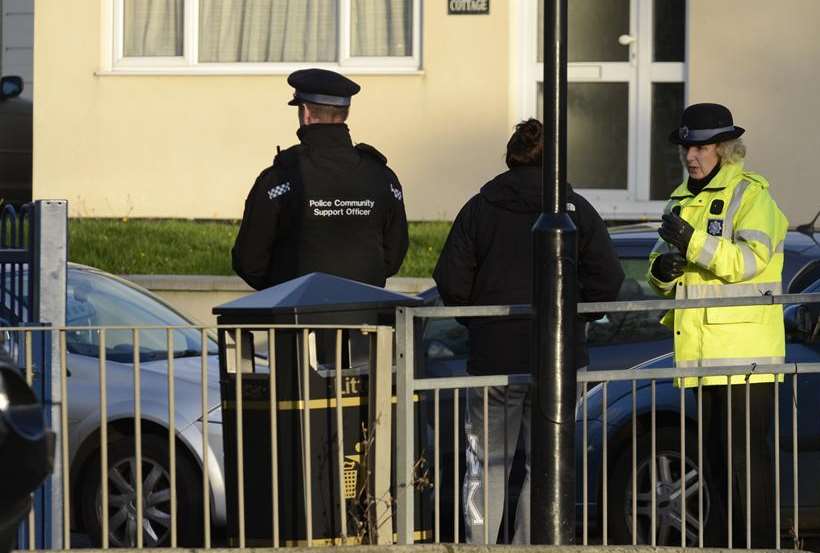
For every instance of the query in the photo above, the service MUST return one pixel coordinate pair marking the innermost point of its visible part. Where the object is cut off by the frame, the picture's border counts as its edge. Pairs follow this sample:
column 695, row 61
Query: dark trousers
column 760, row 458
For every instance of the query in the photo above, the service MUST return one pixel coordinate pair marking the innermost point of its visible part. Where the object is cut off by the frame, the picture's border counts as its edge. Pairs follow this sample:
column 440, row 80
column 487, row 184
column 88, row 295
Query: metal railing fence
column 151, row 416
column 632, row 383
column 142, row 434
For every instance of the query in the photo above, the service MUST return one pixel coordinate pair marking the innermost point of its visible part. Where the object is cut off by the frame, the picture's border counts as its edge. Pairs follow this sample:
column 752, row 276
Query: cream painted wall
column 191, row 146
column 760, row 58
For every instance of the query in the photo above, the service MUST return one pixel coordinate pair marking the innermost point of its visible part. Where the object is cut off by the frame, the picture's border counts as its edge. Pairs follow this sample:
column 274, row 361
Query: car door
column 802, row 346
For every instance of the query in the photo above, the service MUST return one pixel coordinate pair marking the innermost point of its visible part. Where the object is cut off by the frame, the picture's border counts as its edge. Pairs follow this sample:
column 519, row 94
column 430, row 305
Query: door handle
column 626, row 40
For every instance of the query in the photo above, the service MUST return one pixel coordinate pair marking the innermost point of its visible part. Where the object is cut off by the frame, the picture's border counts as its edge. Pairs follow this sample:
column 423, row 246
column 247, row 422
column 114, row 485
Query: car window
column 625, row 328
column 446, row 333
column 804, row 277
column 96, row 300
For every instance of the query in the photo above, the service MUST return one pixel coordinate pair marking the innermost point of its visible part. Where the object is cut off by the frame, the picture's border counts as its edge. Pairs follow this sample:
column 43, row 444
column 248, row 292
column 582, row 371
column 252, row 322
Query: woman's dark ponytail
column 526, row 145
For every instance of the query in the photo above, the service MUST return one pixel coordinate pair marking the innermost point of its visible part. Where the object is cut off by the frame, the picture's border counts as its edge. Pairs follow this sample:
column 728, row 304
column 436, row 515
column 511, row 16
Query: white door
column 625, row 92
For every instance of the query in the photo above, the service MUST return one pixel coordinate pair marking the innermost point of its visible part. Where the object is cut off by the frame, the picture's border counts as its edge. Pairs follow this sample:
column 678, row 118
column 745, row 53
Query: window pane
column 593, row 30
column 670, row 29
column 381, row 28
column 597, row 132
column 667, row 172
column 626, row 328
column 267, row 30
column 597, row 135
column 152, row 28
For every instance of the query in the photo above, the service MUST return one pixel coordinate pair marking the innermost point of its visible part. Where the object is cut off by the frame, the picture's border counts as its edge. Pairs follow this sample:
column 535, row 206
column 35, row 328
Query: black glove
column 676, row 231
column 668, row 266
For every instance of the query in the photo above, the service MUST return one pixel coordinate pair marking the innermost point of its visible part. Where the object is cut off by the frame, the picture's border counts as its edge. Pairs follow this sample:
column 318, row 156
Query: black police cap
column 705, row 124
column 320, row 86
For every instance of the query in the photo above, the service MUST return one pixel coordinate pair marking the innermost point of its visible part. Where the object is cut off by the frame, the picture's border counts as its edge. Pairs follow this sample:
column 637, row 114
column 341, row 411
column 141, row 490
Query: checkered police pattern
column 279, row 190
column 396, row 191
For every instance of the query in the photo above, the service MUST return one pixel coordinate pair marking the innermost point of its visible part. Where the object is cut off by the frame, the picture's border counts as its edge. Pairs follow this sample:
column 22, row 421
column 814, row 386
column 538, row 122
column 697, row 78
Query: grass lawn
column 168, row 246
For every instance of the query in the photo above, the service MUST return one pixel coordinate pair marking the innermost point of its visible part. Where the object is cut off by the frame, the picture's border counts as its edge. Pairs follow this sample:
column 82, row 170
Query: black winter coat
column 487, row 260
column 324, row 206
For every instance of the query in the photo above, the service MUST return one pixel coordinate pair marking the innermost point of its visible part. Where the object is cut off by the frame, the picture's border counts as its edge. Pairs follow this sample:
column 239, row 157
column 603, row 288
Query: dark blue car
column 628, row 340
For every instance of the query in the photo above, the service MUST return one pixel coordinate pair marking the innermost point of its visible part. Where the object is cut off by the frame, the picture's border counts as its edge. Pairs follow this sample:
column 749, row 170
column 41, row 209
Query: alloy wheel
column 122, row 503
column 669, row 523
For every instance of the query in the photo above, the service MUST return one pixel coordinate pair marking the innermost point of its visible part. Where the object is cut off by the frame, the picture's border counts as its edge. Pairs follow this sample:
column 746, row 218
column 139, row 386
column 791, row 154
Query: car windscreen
column 95, row 300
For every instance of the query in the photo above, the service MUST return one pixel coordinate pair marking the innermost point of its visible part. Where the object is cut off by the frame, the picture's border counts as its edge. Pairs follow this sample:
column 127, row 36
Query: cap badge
column 683, row 132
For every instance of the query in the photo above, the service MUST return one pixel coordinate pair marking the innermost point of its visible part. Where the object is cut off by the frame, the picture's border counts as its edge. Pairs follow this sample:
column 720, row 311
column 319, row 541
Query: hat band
column 697, row 135
column 340, row 101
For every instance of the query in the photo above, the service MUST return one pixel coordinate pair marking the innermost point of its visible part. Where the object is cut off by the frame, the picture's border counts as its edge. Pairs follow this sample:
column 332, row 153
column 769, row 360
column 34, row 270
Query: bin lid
column 316, row 293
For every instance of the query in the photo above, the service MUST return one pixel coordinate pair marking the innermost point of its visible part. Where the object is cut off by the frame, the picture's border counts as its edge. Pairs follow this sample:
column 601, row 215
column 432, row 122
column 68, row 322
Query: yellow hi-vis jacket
column 736, row 250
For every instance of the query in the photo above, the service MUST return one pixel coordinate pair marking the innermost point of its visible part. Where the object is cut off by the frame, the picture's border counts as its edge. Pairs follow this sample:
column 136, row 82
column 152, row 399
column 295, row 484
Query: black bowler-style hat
column 320, row 86
column 705, row 124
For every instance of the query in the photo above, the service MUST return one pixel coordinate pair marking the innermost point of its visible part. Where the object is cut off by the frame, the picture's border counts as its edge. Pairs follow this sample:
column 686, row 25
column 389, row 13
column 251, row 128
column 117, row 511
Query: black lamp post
column 554, row 302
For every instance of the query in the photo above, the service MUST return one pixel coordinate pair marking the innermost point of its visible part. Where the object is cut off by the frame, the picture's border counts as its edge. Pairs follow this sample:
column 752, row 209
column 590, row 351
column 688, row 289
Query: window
column 94, row 300
column 625, row 92
column 630, row 326
column 265, row 36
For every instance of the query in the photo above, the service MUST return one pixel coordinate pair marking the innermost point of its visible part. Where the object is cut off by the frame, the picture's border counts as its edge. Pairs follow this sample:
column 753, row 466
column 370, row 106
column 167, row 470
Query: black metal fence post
column 554, row 301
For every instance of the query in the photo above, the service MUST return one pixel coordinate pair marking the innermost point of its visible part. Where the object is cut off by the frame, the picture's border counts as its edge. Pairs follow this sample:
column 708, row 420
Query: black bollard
column 554, row 303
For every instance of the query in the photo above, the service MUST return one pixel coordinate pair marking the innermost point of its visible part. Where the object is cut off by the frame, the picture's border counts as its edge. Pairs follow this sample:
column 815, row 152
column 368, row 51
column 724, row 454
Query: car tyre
column 156, row 496
column 668, row 480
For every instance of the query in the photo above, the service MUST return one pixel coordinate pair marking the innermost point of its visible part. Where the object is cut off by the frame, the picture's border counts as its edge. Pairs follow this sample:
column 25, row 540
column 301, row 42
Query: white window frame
column 640, row 73
column 113, row 60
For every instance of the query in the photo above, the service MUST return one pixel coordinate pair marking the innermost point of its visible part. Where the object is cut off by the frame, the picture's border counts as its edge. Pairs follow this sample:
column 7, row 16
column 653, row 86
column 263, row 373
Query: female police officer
column 722, row 237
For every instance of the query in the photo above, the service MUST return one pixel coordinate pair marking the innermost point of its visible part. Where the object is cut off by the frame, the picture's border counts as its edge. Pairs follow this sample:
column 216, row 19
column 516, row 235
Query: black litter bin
column 26, row 450
column 314, row 299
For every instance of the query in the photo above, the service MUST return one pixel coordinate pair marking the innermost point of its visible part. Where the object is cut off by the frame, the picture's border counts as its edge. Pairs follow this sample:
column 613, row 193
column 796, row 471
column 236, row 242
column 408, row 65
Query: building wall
column 760, row 58
column 191, row 146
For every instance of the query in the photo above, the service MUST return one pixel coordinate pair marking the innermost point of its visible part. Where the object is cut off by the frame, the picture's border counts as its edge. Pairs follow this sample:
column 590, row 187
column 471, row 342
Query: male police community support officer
column 722, row 237
column 324, row 205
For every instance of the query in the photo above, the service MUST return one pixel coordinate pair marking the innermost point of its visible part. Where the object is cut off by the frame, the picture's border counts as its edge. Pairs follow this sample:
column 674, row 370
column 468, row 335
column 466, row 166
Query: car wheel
column 668, row 519
column 156, row 490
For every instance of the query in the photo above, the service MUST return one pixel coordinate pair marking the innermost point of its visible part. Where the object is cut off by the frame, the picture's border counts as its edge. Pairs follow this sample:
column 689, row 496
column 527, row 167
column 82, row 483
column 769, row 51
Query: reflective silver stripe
column 669, row 205
column 707, row 252
column 688, row 134
column 748, row 235
column 734, row 205
column 749, row 261
column 707, row 291
column 730, row 362
column 779, row 248
column 661, row 246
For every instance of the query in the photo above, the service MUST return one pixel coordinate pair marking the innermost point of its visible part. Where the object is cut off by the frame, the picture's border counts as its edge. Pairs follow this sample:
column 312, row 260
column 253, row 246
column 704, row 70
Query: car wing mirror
column 10, row 87
column 800, row 323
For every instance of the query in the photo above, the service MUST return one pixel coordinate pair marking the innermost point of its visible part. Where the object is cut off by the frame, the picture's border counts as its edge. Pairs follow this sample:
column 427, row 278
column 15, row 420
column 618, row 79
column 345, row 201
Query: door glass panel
column 670, row 29
column 597, row 132
column 597, row 135
column 593, row 28
column 667, row 172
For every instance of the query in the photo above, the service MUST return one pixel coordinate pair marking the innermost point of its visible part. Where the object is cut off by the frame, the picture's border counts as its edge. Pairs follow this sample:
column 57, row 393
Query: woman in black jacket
column 487, row 260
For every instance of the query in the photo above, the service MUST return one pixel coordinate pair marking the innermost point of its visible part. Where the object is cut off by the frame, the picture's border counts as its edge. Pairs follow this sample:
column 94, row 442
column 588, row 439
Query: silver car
column 96, row 298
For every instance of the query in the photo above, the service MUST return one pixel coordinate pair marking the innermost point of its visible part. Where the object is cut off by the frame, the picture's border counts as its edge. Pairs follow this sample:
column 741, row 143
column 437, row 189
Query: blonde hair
column 731, row 151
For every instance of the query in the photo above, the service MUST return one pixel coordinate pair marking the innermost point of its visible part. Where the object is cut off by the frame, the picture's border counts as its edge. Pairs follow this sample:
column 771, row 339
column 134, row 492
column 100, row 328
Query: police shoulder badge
column 279, row 190
column 715, row 227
